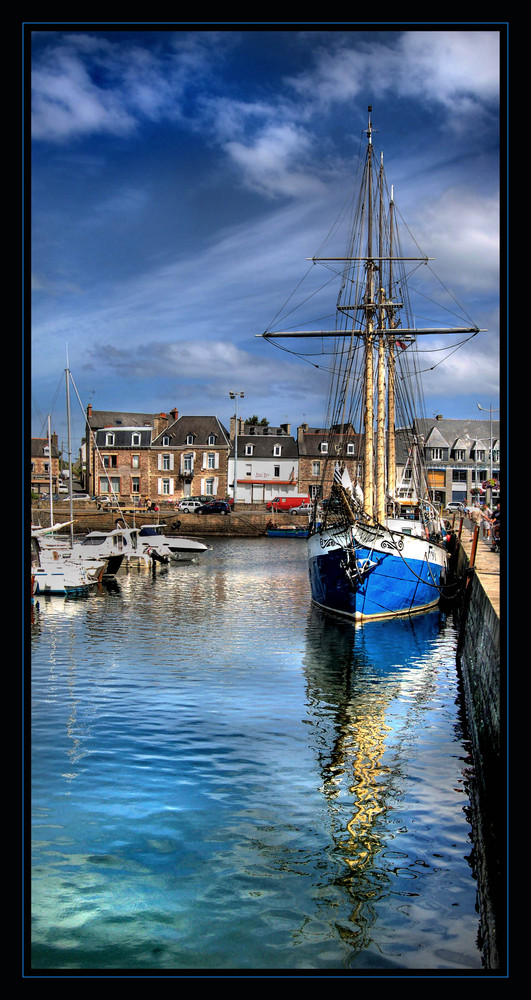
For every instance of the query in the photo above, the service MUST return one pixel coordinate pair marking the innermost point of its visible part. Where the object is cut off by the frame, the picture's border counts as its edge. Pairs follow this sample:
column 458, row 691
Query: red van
column 287, row 503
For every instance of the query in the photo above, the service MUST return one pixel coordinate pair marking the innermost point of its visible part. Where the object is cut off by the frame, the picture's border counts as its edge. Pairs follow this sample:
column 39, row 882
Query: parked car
column 305, row 508
column 455, row 505
column 214, row 507
column 188, row 505
column 78, row 496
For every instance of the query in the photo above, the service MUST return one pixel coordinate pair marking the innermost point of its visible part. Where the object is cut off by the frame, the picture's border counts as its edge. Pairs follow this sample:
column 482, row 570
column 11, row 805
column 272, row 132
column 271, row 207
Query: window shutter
column 202, row 487
column 171, row 463
column 216, row 462
column 205, row 459
column 159, row 486
column 216, row 484
column 159, row 462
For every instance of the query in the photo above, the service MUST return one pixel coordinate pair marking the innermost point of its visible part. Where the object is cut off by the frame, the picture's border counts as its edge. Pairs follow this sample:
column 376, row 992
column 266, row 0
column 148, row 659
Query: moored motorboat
column 153, row 543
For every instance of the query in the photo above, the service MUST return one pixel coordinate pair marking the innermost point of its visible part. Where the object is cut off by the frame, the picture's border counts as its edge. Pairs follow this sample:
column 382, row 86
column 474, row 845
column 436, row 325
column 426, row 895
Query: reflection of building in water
column 352, row 676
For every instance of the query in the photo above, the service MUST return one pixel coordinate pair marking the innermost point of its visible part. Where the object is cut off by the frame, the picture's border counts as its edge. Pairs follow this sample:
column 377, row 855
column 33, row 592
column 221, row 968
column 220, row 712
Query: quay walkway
column 487, row 563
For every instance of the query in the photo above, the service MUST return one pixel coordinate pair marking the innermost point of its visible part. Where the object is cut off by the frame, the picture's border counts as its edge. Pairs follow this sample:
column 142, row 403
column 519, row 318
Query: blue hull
column 392, row 586
column 287, row 533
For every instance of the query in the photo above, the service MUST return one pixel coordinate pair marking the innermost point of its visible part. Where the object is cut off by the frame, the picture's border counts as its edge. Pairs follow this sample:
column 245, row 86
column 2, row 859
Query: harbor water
column 225, row 778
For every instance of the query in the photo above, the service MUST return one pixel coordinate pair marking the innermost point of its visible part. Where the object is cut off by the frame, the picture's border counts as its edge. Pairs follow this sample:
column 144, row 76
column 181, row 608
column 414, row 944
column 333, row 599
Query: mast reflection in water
column 225, row 777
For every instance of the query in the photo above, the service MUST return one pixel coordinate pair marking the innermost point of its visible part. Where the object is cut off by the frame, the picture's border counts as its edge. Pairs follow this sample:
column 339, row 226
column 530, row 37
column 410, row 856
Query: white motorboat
column 54, row 575
column 156, row 545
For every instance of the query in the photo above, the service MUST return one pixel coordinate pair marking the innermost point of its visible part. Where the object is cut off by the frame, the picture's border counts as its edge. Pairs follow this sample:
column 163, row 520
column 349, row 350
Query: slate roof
column 311, row 438
column 117, row 418
column 37, row 448
column 201, row 427
column 263, row 445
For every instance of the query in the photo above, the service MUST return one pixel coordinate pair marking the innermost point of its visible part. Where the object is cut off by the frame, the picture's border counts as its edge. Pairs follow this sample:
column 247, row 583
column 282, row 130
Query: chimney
column 89, row 411
column 174, row 413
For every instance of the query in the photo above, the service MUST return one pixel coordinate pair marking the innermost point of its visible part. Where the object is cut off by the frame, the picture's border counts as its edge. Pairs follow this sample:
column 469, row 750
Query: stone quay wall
column 483, row 678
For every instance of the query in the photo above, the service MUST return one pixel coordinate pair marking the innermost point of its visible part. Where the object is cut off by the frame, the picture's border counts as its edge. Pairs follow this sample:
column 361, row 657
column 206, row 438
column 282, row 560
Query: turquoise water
column 224, row 778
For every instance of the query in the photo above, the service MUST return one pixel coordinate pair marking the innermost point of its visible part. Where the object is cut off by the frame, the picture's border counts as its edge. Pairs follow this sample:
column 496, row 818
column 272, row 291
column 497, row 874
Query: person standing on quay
column 485, row 524
column 476, row 515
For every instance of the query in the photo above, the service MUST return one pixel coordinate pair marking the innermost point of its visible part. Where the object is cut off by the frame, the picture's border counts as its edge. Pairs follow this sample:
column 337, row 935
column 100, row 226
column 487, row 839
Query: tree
column 254, row 420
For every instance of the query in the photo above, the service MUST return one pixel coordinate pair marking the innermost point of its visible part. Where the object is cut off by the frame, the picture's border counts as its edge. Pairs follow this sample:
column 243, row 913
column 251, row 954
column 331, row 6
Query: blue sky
column 181, row 179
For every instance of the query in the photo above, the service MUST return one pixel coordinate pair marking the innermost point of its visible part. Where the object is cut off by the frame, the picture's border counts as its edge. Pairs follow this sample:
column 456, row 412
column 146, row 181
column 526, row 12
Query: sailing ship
column 376, row 548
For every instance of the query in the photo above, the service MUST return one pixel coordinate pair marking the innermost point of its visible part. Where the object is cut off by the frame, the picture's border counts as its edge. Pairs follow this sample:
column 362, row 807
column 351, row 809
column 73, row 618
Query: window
column 459, row 455
column 437, row 454
column 209, row 487
column 324, row 447
column 109, row 440
column 188, row 463
column 211, row 439
column 46, row 466
column 109, row 485
column 110, row 461
column 211, row 461
column 249, row 449
column 135, row 439
column 165, row 483
column 277, row 451
column 248, row 470
column 135, row 485
column 350, row 449
column 459, row 475
column 276, row 471
column 165, row 441
column 135, row 461
column 189, row 439
column 316, row 468
column 166, row 465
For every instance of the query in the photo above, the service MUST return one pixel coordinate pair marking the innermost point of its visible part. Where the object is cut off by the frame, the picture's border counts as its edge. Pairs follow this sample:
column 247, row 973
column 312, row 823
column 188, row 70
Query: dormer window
column 277, row 450
column 165, row 441
column 211, row 440
column 135, row 439
column 350, row 449
column 249, row 449
column 324, row 447
column 109, row 439
column 189, row 439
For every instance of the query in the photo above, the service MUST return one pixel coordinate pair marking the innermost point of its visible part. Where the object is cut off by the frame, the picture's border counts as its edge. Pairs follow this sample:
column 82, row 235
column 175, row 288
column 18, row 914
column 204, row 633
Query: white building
column 267, row 462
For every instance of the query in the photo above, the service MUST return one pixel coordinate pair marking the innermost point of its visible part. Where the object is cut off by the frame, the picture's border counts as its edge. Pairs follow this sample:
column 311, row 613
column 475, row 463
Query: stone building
column 44, row 461
column 190, row 458
column 118, row 448
column 461, row 458
column 156, row 456
column 315, row 447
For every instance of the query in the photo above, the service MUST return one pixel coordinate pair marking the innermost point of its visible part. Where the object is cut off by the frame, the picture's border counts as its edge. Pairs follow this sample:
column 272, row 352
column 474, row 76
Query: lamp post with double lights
column 236, row 396
column 490, row 411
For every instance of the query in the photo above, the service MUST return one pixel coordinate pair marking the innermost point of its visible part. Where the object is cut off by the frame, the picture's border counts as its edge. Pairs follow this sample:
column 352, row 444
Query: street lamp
column 489, row 410
column 236, row 396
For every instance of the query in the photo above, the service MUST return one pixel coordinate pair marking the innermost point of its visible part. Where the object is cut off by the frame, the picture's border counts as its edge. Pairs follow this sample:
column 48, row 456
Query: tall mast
column 50, row 468
column 368, row 456
column 70, row 481
column 380, row 425
column 391, row 444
